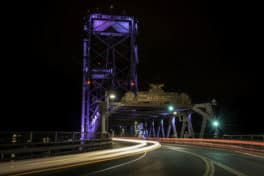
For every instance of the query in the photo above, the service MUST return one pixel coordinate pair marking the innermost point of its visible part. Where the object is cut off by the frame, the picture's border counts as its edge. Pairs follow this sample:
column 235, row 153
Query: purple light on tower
column 102, row 25
column 111, row 41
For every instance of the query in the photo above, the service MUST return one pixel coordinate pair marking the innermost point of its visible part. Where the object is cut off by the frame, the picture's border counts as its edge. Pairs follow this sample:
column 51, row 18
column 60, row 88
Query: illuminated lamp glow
column 215, row 123
column 112, row 96
column 170, row 108
column 89, row 82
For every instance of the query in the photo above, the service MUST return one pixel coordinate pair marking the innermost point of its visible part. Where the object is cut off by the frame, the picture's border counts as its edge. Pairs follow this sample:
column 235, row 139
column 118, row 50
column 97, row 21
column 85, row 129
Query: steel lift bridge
column 110, row 56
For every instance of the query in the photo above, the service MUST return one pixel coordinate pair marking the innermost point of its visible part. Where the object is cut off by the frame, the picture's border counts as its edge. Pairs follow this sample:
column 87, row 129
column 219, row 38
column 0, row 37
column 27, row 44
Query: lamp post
column 108, row 96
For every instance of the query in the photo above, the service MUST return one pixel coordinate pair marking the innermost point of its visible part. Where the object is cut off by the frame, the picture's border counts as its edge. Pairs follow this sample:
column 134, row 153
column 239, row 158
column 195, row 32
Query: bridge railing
column 237, row 145
column 43, row 137
column 22, row 145
column 249, row 137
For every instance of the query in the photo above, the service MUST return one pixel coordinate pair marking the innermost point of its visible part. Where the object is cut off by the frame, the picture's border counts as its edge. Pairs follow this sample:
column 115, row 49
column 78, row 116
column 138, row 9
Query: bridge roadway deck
column 174, row 159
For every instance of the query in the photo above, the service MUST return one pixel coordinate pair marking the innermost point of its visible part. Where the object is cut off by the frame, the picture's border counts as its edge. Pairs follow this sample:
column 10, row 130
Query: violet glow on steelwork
column 109, row 17
column 136, row 53
column 93, row 126
column 110, row 41
column 102, row 70
column 101, row 73
column 99, row 76
column 103, row 25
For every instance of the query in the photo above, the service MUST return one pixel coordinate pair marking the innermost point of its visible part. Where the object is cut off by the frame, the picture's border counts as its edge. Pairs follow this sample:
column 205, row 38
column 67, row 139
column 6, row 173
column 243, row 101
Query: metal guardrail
column 238, row 145
column 42, row 137
column 248, row 137
column 24, row 145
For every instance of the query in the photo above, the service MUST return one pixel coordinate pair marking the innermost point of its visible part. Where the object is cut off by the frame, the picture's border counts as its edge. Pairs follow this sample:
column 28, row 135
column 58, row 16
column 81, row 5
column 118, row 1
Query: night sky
column 202, row 48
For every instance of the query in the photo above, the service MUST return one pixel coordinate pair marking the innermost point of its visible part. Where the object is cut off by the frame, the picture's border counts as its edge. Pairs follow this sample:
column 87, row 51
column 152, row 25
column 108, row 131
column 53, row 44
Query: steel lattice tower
column 110, row 57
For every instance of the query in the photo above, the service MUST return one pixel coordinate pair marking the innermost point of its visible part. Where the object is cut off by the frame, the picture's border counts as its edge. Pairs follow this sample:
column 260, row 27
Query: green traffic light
column 170, row 108
column 215, row 123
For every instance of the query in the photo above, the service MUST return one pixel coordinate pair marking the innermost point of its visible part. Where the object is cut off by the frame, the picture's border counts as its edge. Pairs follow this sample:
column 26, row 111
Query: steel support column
column 146, row 128
column 173, row 122
column 203, row 127
column 169, row 127
column 135, row 128
column 190, row 128
column 162, row 127
column 153, row 128
column 183, row 126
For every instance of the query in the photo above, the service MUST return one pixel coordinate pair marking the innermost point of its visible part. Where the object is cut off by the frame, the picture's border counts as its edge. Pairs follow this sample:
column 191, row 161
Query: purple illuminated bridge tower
column 110, row 56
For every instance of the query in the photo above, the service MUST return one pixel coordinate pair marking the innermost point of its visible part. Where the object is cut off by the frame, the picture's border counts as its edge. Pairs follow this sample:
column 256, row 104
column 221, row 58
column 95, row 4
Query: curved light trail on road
column 60, row 162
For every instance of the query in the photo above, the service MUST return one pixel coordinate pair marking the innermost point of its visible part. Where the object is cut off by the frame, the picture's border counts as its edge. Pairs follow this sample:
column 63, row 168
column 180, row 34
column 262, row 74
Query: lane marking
column 252, row 155
column 212, row 168
column 119, row 165
column 225, row 167
column 220, row 149
column 229, row 169
column 209, row 166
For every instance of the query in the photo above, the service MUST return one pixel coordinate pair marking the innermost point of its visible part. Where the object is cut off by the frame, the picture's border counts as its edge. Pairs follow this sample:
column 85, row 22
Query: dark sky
column 204, row 48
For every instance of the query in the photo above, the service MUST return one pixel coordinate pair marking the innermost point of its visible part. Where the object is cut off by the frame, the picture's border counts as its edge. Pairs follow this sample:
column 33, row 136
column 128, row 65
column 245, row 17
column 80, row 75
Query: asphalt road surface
column 174, row 160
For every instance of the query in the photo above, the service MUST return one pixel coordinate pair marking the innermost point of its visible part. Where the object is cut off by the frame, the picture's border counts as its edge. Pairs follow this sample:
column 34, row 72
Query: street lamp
column 112, row 96
column 108, row 96
column 175, row 113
